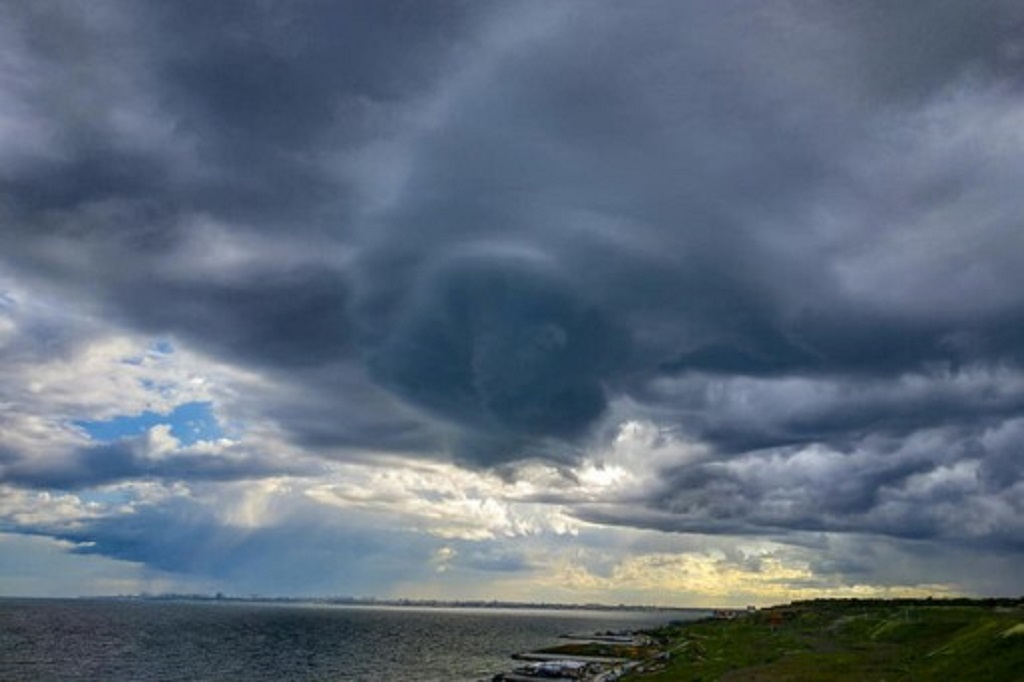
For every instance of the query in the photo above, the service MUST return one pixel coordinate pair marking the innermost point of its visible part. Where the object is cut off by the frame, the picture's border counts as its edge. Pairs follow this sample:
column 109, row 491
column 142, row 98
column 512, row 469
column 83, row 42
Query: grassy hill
column 855, row 640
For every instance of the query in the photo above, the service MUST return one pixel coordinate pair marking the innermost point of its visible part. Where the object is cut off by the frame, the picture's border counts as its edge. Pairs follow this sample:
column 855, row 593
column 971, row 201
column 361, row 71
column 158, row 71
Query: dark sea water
column 85, row 639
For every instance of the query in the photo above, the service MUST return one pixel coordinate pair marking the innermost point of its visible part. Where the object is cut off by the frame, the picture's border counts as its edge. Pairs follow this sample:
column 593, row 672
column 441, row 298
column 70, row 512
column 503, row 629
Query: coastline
column 843, row 640
column 604, row 656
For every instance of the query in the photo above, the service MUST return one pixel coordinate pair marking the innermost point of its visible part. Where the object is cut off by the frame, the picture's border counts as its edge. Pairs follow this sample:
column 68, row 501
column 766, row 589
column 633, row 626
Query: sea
column 107, row 639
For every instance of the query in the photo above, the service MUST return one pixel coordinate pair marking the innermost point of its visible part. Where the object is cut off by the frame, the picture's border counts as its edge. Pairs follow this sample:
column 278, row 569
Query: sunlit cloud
column 655, row 303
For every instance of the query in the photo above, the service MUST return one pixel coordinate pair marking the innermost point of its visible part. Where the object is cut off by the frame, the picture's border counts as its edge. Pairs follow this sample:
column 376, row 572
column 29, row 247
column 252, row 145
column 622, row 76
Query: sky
column 676, row 303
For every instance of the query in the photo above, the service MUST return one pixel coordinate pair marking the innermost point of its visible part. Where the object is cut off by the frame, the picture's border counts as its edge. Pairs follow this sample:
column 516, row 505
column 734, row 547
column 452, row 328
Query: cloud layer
column 756, row 270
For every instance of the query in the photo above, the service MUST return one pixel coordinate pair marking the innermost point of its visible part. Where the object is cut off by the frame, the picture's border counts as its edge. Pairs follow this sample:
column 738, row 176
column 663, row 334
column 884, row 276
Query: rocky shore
column 600, row 657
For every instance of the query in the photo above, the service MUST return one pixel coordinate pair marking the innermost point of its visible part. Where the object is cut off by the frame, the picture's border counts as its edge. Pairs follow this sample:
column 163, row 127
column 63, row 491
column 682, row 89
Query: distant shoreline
column 374, row 601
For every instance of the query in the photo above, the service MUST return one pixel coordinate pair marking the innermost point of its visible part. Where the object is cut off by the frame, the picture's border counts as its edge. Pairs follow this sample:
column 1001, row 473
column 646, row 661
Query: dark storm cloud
column 282, row 319
column 148, row 116
column 934, row 485
column 469, row 230
column 910, row 50
column 255, row 94
column 130, row 459
column 502, row 345
column 739, row 414
column 152, row 123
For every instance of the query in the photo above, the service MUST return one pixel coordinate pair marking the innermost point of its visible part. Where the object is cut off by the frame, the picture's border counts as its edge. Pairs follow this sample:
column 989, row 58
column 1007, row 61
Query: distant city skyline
column 697, row 304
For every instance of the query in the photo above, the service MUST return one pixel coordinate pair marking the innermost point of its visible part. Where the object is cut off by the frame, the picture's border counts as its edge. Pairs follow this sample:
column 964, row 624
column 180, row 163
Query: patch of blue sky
column 189, row 422
column 192, row 422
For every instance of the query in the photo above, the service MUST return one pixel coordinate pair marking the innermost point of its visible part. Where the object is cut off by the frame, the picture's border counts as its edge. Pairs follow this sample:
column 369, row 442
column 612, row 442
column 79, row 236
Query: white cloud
column 46, row 510
column 441, row 500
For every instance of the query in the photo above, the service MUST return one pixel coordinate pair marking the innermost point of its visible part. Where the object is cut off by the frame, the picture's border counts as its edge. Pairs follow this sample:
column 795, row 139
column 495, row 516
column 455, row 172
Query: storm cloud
column 786, row 235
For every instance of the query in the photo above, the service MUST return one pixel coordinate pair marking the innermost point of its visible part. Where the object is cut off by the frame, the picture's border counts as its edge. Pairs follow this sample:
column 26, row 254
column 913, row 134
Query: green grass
column 851, row 641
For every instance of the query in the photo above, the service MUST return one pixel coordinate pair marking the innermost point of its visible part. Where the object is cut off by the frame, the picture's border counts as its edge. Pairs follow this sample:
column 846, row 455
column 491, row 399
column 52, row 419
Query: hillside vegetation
column 855, row 640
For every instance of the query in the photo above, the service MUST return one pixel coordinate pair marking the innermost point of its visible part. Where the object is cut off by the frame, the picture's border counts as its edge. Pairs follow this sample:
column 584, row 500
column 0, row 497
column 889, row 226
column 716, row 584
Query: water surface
column 86, row 639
